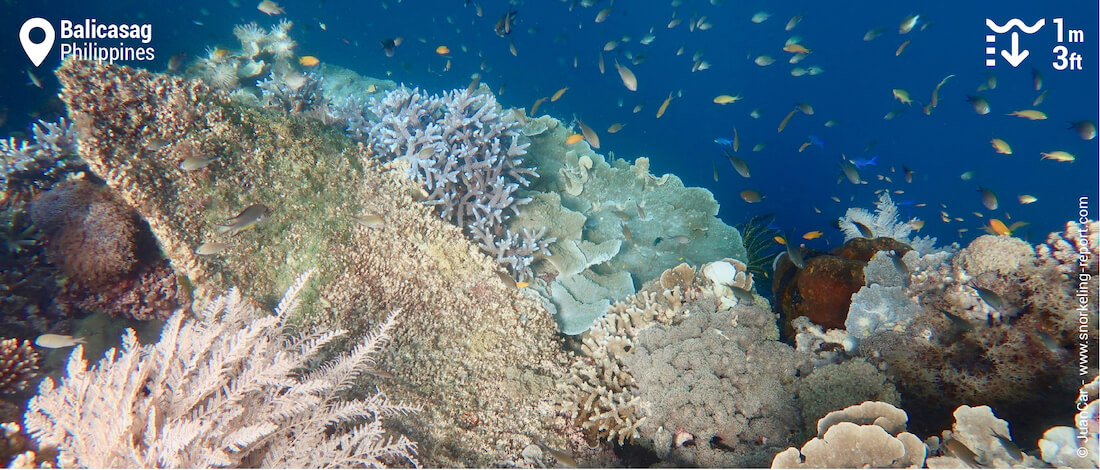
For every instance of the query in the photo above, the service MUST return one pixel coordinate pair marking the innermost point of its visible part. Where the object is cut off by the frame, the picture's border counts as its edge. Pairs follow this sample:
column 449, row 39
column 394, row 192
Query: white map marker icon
column 37, row 52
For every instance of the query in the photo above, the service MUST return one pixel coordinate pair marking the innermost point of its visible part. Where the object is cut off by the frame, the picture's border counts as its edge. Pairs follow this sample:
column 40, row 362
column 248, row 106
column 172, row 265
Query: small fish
column 751, row 196
column 1050, row 343
column 1001, row 147
column 935, row 101
column 664, row 106
column 538, row 102
column 589, row 134
column 616, row 127
column 783, row 123
column 1026, row 199
column 1009, row 446
column 442, row 50
column 989, row 199
column 957, row 322
column 916, row 224
column 638, row 107
column 792, row 22
column 1036, row 78
column 674, row 22
column 806, row 108
column 981, row 106
column 603, row 14
column 1085, row 129
column 1058, row 156
column 760, row 17
column 739, row 165
column 899, row 265
column 369, row 220
column 557, row 94
column 908, row 174
column 53, row 341
column 270, row 8
column 901, row 48
column 195, row 163
column 248, row 218
column 736, row 140
column 873, row 33
column 902, row 96
column 796, row 48
column 764, row 60
column 504, row 24
column 794, row 253
column 628, row 78
column 812, row 235
column 308, row 61
column 755, row 113
column 742, row 295
column 862, row 162
column 1040, row 98
column 1029, row 114
column 991, row 298
column 967, row 176
column 34, row 79
column 908, row 23
column 780, row 240
column 962, row 452
column 850, row 172
column 573, row 139
column 864, row 230
column 210, row 248
column 610, row 46
column 726, row 99
column 507, row 280
column 601, row 64
column 715, row 165
column 522, row 284
column 175, row 62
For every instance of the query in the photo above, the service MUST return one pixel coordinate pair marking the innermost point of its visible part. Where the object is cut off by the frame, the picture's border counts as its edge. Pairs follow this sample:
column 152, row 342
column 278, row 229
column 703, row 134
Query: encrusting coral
column 477, row 354
column 228, row 389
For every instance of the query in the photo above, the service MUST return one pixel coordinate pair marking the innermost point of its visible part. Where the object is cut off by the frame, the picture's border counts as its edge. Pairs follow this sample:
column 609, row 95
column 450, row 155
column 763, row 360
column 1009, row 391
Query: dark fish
column 246, row 219
column 957, row 322
column 850, row 172
column 991, row 298
column 1085, row 129
column 794, row 253
column 899, row 265
column 963, row 453
column 989, row 199
column 504, row 24
column 908, row 174
column 742, row 295
column 390, row 46
column 739, row 165
column 864, row 230
column 1010, row 447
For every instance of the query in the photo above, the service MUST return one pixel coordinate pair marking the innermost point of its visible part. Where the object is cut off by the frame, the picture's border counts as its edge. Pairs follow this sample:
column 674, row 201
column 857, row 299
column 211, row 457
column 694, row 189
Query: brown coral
column 18, row 365
column 90, row 234
column 844, row 441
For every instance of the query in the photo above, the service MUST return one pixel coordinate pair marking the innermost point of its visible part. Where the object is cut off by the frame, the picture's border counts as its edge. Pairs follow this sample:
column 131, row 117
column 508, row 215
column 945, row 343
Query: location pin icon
column 37, row 52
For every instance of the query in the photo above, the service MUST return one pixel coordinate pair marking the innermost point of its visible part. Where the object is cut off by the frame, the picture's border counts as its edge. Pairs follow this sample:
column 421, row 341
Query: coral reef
column 876, row 308
column 479, row 356
column 178, row 402
column 18, row 365
column 469, row 158
column 41, row 163
column 699, row 379
column 837, row 386
column 985, row 436
column 868, row 435
column 1061, row 446
column 883, row 223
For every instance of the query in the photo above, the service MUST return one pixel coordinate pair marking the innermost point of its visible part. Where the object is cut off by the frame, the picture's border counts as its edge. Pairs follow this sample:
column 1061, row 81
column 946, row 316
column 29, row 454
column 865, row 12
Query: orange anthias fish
column 308, row 61
column 812, row 235
column 573, row 139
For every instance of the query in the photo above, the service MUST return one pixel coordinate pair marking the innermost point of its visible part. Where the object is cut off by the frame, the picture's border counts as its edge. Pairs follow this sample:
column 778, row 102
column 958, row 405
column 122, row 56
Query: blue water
column 855, row 89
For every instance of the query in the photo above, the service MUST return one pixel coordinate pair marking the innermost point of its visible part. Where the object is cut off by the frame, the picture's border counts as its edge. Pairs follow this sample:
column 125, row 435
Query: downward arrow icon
column 1017, row 55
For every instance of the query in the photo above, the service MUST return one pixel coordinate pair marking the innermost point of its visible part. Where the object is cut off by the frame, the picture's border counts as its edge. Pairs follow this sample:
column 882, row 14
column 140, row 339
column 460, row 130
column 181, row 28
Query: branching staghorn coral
column 469, row 159
column 42, row 162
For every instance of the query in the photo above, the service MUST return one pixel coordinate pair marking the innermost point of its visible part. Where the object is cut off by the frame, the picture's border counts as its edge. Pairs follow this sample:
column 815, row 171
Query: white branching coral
column 884, row 223
column 231, row 389
column 469, row 159
column 42, row 162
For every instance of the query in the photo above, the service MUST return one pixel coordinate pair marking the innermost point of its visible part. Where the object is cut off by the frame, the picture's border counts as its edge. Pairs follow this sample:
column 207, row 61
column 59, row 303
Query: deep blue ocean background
column 855, row 90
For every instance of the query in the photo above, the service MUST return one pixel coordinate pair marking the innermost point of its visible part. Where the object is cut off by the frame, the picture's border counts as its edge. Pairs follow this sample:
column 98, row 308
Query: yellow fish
column 902, row 96
column 442, row 50
column 1001, row 146
column 812, row 235
column 522, row 284
column 573, row 139
column 999, row 227
column 1027, row 199
column 796, row 48
column 308, row 61
column 535, row 107
column 1029, row 114
column 780, row 240
column 664, row 106
column 557, row 94
column 1058, row 156
column 726, row 99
